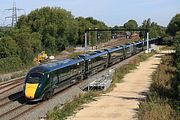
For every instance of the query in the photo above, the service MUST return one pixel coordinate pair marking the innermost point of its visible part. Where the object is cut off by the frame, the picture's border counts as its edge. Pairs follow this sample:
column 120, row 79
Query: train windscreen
column 34, row 78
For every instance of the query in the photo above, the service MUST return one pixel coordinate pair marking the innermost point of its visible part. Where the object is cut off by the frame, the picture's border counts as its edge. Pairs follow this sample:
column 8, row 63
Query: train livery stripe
column 30, row 90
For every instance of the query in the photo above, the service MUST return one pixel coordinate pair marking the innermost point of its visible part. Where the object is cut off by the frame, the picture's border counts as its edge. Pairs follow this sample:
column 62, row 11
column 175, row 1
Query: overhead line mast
column 121, row 29
column 14, row 16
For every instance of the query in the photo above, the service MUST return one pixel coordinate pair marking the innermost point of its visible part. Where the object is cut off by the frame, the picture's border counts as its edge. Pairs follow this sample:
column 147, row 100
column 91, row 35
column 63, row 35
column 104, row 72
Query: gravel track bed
column 9, row 107
column 8, row 84
column 3, row 101
column 10, row 87
column 57, row 100
column 11, row 80
column 16, row 112
column 12, row 91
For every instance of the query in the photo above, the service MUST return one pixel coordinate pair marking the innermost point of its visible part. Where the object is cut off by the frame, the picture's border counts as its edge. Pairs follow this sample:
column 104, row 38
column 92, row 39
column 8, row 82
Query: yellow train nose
column 30, row 90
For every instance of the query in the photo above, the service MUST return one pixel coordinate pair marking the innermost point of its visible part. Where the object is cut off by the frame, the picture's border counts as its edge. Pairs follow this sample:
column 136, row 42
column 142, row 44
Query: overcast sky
column 112, row 12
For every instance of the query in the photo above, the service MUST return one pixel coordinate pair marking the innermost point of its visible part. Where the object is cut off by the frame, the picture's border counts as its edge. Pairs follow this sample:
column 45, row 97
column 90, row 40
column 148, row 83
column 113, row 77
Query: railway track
column 14, row 106
column 17, row 111
column 23, row 107
column 9, row 86
column 10, row 99
column 11, row 81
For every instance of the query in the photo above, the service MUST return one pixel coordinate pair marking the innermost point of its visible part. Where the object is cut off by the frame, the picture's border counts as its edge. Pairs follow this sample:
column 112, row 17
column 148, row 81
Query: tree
column 89, row 23
column 54, row 23
column 155, row 30
column 35, row 40
column 177, row 47
column 26, row 51
column 8, row 47
column 50, row 44
column 131, row 24
column 174, row 25
column 82, row 25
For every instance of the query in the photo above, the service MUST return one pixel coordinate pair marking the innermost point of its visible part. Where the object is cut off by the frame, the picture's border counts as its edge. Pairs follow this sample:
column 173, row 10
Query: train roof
column 93, row 54
column 115, row 48
column 55, row 65
column 128, row 45
column 138, row 42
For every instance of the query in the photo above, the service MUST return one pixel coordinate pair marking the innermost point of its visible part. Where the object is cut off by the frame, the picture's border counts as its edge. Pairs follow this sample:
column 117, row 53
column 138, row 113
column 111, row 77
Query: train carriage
column 95, row 61
column 116, row 54
column 42, row 81
column 138, row 46
column 129, row 50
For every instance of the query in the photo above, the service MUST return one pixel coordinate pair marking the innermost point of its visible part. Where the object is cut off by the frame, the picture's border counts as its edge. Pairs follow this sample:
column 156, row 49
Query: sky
column 111, row 12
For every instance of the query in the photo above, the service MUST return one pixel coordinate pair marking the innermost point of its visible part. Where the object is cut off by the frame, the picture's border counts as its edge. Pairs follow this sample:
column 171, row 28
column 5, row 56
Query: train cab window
column 34, row 77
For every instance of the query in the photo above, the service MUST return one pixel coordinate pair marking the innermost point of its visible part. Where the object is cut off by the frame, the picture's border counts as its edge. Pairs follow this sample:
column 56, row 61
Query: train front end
column 33, row 87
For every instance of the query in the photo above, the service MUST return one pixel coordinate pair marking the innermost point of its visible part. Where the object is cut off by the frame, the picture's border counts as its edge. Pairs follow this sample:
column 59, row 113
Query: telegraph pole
column 14, row 16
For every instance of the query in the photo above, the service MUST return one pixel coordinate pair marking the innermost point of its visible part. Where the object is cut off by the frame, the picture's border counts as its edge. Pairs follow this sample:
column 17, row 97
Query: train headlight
column 39, row 85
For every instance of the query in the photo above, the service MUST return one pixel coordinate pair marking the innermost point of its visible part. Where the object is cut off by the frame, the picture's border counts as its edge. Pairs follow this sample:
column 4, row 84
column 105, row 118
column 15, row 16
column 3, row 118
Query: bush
column 156, row 110
column 10, row 64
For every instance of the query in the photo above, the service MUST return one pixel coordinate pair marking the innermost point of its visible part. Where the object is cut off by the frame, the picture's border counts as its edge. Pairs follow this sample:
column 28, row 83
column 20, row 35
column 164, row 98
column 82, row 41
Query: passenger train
column 43, row 81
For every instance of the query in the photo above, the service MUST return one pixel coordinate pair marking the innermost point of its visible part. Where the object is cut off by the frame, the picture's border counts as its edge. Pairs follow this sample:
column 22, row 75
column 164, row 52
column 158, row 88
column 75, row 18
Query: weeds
column 69, row 108
column 160, row 103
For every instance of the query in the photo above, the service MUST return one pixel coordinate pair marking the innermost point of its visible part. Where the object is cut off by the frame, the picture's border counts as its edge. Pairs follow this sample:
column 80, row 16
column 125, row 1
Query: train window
column 55, row 78
column 128, row 49
column 117, row 54
column 98, row 60
column 34, row 77
column 69, row 71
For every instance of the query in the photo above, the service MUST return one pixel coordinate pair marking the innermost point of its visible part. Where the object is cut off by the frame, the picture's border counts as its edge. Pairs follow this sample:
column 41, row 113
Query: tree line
column 53, row 29
column 173, row 30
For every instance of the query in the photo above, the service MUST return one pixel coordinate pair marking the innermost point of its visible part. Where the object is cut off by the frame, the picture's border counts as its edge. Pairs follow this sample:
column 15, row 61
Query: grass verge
column 69, row 108
column 162, row 101
column 61, row 113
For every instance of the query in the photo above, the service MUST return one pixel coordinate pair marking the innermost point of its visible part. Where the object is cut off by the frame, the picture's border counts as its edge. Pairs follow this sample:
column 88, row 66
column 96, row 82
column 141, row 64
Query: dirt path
column 122, row 102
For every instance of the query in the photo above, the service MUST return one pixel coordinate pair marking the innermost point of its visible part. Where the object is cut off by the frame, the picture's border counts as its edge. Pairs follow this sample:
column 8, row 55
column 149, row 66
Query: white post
column 147, row 42
column 96, row 37
column 85, row 46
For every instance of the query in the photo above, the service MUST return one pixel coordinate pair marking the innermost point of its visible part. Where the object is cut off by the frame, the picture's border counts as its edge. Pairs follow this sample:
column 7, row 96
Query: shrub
column 161, row 102
column 10, row 64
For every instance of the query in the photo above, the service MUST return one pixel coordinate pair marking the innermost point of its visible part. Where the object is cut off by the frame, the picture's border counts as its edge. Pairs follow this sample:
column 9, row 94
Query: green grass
column 69, row 108
column 61, row 113
column 162, row 101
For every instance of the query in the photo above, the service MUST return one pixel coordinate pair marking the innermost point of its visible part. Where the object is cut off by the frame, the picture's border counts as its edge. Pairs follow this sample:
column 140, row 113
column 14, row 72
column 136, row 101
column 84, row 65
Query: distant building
column 128, row 34
column 134, row 35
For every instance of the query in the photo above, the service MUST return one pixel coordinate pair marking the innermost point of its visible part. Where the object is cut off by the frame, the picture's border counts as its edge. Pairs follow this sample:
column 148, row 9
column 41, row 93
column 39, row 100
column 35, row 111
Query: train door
column 54, row 80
